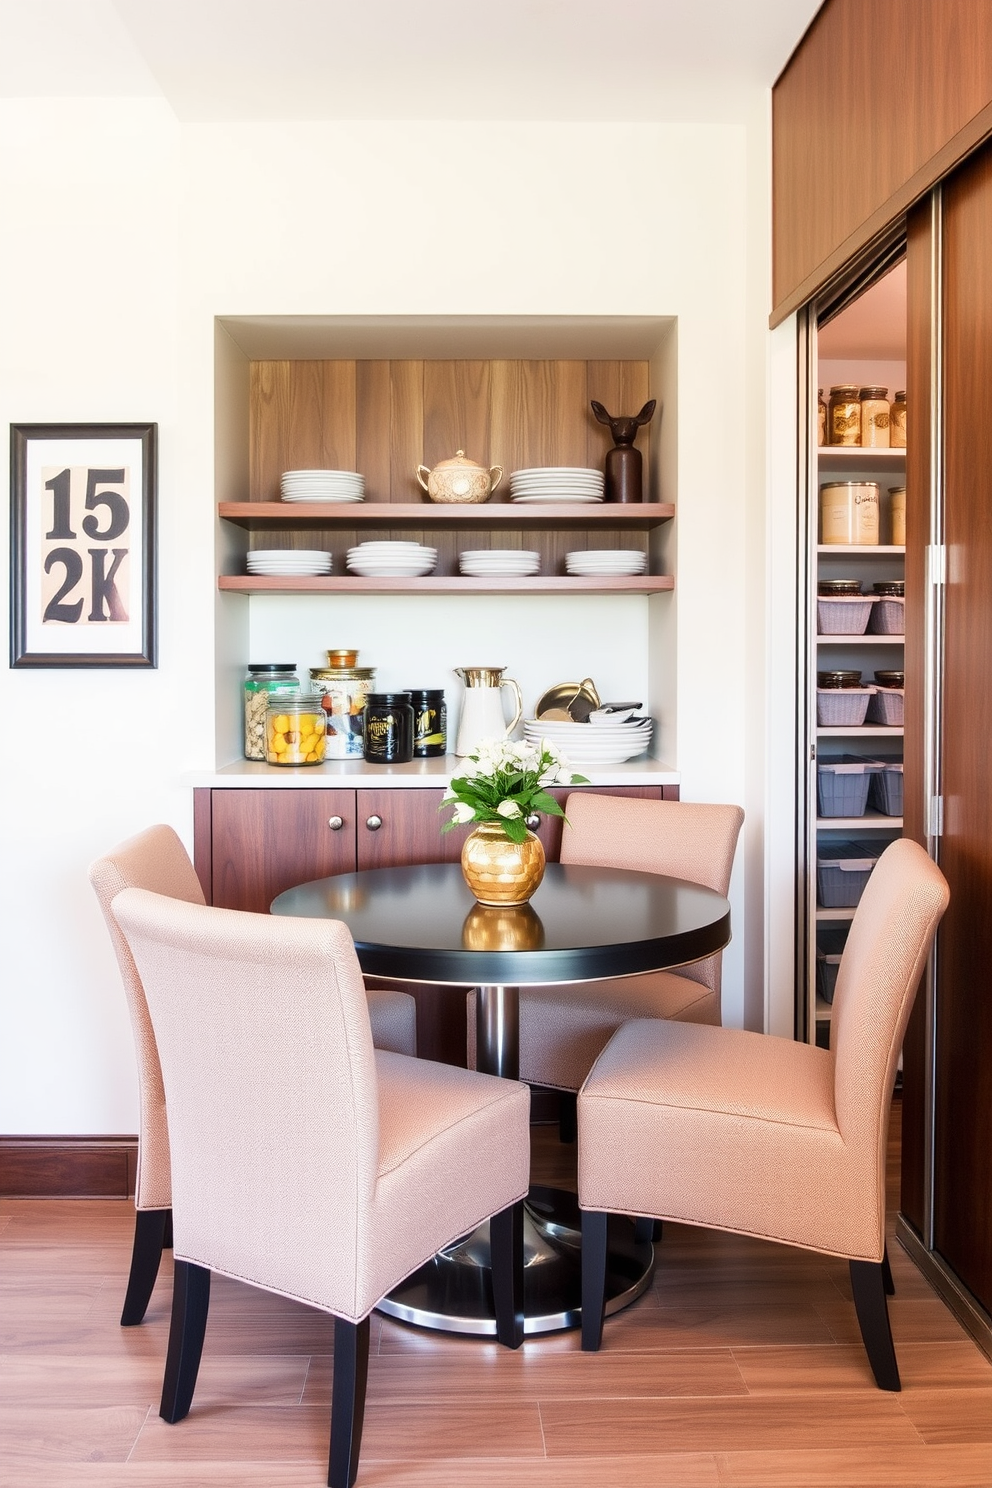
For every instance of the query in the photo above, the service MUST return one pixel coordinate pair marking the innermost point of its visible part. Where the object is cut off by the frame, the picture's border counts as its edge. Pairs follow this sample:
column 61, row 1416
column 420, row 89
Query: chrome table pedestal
column 453, row 1292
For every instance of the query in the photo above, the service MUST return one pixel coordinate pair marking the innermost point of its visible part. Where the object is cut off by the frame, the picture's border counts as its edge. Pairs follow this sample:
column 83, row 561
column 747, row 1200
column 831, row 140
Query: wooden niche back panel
column 384, row 418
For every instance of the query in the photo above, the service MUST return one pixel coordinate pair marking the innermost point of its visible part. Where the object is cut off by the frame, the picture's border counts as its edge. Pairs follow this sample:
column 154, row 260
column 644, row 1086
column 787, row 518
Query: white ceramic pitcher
column 482, row 706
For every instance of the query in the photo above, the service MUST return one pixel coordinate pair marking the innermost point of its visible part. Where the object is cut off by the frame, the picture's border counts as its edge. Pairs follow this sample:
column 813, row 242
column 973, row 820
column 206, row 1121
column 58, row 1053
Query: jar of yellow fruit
column 294, row 729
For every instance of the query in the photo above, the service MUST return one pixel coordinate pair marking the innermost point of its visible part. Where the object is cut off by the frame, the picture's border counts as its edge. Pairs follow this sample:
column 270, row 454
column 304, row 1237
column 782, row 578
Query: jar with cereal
column 294, row 729
column 261, row 680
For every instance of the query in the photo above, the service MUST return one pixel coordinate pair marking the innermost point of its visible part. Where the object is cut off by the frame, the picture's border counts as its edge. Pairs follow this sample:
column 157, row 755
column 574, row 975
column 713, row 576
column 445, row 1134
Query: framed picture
column 82, row 545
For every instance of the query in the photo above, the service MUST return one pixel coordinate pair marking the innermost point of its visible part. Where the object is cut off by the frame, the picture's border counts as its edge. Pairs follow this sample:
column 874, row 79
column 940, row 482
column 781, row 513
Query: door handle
column 373, row 823
column 336, row 823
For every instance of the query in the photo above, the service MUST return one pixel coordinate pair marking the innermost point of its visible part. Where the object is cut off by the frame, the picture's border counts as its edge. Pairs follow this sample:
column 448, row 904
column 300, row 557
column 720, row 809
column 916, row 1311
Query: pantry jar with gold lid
column 844, row 414
column 897, row 421
column 849, row 513
column 344, row 689
column 874, row 417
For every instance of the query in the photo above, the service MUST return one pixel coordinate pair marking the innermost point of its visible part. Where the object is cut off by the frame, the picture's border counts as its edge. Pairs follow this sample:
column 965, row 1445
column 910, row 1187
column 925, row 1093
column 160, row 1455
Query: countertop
column 429, row 774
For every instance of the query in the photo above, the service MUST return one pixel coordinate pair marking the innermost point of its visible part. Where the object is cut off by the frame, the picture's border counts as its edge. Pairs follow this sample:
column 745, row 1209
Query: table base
column 453, row 1292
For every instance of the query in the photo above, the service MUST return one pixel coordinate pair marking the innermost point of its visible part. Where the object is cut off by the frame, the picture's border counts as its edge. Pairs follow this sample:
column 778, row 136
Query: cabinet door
column 409, row 829
column 265, row 841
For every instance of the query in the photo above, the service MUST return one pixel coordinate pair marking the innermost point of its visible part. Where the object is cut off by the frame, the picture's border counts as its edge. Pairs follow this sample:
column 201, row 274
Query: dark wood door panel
column 410, row 830
column 963, row 1115
column 265, row 841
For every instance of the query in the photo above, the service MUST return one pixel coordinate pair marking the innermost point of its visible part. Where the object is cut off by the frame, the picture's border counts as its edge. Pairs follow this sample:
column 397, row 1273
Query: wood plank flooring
column 740, row 1368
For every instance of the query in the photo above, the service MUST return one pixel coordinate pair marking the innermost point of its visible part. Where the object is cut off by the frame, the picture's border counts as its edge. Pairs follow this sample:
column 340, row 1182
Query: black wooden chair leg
column 190, row 1303
column 868, row 1285
column 594, row 1226
column 887, row 1282
column 568, row 1118
column 648, row 1229
column 167, row 1237
column 506, row 1242
column 150, row 1227
column 351, row 1372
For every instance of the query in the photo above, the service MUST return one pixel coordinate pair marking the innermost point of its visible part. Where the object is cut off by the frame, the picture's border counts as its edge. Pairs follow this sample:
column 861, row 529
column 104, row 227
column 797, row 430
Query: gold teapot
column 459, row 480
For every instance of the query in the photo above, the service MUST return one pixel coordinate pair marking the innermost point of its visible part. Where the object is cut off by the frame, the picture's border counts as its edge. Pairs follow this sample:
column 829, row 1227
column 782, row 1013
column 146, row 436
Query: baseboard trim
column 966, row 1308
column 68, row 1167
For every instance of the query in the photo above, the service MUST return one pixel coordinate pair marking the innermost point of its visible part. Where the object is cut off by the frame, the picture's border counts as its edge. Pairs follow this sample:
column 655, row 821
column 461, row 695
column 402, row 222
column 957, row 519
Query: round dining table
column 422, row 924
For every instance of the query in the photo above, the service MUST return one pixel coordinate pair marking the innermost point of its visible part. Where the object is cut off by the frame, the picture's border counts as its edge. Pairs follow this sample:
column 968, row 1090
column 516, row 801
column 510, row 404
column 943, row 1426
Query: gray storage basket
column 829, row 950
column 887, row 706
column 843, row 614
column 842, row 786
column 842, row 870
column 888, row 616
column 837, row 706
column 886, row 793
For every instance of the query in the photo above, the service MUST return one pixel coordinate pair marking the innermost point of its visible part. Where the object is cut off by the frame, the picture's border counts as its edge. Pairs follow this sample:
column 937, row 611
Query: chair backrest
column 884, row 959
column 681, row 839
column 155, row 859
column 262, row 1028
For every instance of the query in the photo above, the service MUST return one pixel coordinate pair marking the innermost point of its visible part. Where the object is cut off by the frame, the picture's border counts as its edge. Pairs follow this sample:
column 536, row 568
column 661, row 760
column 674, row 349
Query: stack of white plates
column 391, row 560
column 593, row 744
column 288, row 562
column 556, row 483
column 322, row 485
column 505, row 562
column 598, row 562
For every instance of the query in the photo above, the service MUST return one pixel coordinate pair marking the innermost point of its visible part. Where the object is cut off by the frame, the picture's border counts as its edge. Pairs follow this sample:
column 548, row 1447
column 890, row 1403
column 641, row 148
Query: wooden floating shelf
column 295, row 515
column 561, row 584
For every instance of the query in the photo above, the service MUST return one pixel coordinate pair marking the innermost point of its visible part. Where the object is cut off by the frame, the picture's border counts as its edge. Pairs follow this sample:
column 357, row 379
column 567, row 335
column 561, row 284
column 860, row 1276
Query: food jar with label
column 844, row 414
column 430, row 722
column 261, row 681
column 821, row 418
column 897, row 507
column 389, row 728
column 897, row 421
column 849, row 513
column 344, row 689
column 874, row 417
column 294, row 729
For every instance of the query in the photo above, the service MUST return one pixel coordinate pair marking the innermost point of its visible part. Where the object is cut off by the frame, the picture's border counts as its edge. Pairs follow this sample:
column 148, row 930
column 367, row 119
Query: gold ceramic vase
column 499, row 871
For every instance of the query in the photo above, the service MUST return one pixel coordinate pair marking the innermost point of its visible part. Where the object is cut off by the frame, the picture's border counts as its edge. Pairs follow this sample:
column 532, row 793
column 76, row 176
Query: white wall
column 130, row 235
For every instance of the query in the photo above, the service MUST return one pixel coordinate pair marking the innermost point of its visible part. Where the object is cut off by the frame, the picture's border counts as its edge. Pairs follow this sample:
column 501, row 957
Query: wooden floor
column 741, row 1367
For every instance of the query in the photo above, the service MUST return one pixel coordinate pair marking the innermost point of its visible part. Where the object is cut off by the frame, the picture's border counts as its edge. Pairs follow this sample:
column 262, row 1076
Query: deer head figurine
column 623, row 462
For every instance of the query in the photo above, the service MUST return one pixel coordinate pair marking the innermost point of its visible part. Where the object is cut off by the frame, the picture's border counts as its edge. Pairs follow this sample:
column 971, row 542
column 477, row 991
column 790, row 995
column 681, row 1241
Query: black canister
column 430, row 722
column 388, row 728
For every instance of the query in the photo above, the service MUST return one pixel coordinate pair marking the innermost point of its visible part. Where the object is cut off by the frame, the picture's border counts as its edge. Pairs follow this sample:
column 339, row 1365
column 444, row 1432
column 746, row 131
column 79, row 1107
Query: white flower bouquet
column 505, row 782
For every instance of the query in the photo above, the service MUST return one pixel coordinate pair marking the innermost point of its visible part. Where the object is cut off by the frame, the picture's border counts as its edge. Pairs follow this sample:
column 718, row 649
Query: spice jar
column 897, row 507
column 897, row 422
column 875, row 417
column 849, row 513
column 821, row 418
column 388, row 728
column 294, row 729
column 261, row 680
column 844, row 414
column 430, row 722
column 344, row 689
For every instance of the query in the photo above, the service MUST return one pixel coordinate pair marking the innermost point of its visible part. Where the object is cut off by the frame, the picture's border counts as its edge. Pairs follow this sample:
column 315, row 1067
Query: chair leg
column 167, row 1237
column 648, row 1229
column 887, row 1282
column 190, row 1302
column 594, row 1226
column 868, row 1285
column 351, row 1372
column 150, row 1229
column 568, row 1120
column 506, row 1238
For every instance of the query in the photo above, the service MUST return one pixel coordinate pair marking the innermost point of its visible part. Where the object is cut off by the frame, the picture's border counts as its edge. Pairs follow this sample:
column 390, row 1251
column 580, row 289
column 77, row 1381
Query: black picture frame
column 83, row 545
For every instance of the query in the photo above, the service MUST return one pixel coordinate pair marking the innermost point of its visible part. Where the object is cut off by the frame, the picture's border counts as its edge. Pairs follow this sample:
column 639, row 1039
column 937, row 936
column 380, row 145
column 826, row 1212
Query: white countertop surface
column 421, row 774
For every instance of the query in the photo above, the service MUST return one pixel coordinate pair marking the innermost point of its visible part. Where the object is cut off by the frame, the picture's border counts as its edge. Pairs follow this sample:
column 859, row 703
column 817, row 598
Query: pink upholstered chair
column 156, row 859
column 303, row 1161
column 561, row 1033
column 764, row 1136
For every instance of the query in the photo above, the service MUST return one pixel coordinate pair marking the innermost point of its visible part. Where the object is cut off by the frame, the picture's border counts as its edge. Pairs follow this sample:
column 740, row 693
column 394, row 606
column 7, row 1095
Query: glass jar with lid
column 897, row 421
column 844, row 414
column 821, row 418
column 263, row 679
column 874, row 417
column 294, row 729
column 344, row 689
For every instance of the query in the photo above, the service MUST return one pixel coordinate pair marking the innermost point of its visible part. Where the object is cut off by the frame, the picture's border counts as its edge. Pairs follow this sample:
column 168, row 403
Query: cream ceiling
column 263, row 60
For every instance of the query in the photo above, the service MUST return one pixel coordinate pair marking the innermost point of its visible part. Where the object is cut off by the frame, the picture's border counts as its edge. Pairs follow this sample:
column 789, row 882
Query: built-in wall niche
column 385, row 395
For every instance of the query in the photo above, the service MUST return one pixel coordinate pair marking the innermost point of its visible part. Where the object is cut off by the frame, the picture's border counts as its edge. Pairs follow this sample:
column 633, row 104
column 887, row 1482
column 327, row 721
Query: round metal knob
column 336, row 823
column 373, row 823
column 532, row 822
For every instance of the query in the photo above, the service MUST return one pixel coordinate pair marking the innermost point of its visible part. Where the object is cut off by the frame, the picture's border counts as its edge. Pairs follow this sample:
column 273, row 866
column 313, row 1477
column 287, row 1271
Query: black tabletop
column 422, row 924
